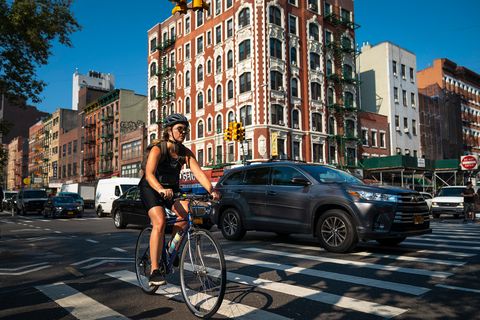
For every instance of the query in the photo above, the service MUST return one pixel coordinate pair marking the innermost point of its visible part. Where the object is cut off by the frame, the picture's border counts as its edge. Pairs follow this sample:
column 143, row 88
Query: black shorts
column 151, row 198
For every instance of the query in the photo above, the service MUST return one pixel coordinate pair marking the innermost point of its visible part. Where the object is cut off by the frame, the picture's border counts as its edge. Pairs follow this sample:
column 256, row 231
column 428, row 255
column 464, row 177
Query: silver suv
column 31, row 200
column 339, row 209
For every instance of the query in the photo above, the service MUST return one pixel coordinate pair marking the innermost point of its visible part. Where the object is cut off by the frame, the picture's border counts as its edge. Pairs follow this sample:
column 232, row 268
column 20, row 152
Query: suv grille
column 409, row 206
column 448, row 204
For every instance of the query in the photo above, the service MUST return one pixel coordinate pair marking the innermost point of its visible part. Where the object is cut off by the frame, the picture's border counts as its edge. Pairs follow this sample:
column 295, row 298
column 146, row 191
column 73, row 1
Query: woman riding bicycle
column 161, row 179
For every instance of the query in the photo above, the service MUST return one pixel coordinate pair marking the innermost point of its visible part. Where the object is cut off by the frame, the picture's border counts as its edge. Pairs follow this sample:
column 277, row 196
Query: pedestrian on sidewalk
column 469, row 203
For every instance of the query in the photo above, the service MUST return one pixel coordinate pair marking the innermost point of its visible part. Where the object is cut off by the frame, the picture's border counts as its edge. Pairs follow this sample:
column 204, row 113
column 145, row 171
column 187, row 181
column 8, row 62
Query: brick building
column 35, row 154
column 17, row 165
column 285, row 69
column 374, row 135
column 70, row 158
column 452, row 80
column 132, row 145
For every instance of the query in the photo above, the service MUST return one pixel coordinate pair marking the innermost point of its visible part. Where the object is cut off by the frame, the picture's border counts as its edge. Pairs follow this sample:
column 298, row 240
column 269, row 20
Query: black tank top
column 168, row 171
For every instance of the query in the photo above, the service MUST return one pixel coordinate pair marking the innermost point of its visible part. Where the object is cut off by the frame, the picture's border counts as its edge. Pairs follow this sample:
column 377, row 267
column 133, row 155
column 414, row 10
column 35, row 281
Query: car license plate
column 70, row 212
column 418, row 219
column 197, row 220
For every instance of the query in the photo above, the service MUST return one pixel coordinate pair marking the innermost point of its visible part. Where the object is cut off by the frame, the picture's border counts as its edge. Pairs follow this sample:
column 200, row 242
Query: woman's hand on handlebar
column 215, row 195
column 166, row 193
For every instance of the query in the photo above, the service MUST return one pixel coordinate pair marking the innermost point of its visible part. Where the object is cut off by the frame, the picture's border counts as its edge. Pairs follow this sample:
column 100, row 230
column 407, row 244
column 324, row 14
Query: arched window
column 330, row 96
column 187, row 79
column 231, row 116
column 200, row 129
column 349, row 128
column 346, row 43
column 277, row 114
column 244, row 18
column 209, row 66
column 187, row 105
column 294, row 87
column 246, row 115
column 244, row 50
column 293, row 55
column 331, row 125
column 209, row 124
column 153, row 69
column 348, row 100
column 275, row 48
column 230, row 90
column 245, row 82
column 317, row 122
column 230, row 59
column 218, row 65
column 347, row 71
column 199, row 101
column 172, row 108
column 200, row 72
column 329, row 67
column 275, row 16
column 296, row 119
column 276, row 80
column 209, row 95
column 218, row 94
column 316, row 89
column 219, row 124
column 313, row 31
column 153, row 116
column 153, row 92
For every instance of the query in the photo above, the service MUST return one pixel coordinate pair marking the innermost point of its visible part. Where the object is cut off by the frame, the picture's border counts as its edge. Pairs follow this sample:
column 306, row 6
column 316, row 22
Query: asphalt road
column 83, row 268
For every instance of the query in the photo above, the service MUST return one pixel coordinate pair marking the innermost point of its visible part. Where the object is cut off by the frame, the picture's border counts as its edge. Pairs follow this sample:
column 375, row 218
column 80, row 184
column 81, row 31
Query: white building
column 388, row 87
column 94, row 79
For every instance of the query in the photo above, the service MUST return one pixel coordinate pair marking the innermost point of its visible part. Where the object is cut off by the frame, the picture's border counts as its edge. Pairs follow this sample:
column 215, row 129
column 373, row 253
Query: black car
column 129, row 209
column 30, row 200
column 8, row 200
column 290, row 197
column 62, row 207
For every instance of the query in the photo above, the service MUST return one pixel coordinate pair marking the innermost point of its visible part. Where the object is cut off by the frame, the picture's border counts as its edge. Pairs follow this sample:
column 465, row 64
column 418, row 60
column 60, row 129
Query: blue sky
column 114, row 38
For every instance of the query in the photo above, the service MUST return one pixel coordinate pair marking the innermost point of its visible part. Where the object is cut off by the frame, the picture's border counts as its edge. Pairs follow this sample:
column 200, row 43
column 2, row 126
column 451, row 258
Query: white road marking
column 24, row 230
column 229, row 309
column 449, row 253
column 119, row 249
column 458, row 288
column 91, row 241
column 78, row 304
column 434, row 245
column 57, row 231
column 394, row 286
column 97, row 258
column 447, row 240
column 47, row 229
column 99, row 263
column 29, row 269
column 436, row 274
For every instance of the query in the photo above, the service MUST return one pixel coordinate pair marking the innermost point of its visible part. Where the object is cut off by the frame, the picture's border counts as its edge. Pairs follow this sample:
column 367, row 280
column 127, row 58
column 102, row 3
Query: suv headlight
column 79, row 208
column 59, row 208
column 373, row 196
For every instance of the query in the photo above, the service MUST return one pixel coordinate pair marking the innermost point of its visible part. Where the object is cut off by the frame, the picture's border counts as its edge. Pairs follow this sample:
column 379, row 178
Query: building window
column 153, row 93
column 364, row 137
column 331, row 125
column 412, row 99
column 231, row 153
column 244, row 18
column 187, row 79
column 131, row 170
column 218, row 94
column 218, row 155
column 230, row 117
column 415, row 153
column 292, row 24
column 230, row 90
column 347, row 71
column 328, row 8
column 218, row 34
column 275, row 16
column 277, row 114
column 199, row 18
column 187, row 51
column 200, row 45
column 187, row 105
column 209, row 95
column 229, row 59
column 218, row 124
column 395, row 94
column 382, row 139
column 330, row 97
column 414, row 127
column 348, row 100
column 246, row 115
column 313, row 31
column 200, row 157
column 153, row 69
column 276, row 80
column 329, row 67
column 209, row 38
column 350, row 128
column 187, row 25
column 412, row 77
column 405, row 123
column 209, row 124
column 294, row 87
column 315, row 61
column 317, row 152
column 229, row 28
column 293, row 56
column 292, row 2
column 153, row 44
column 244, row 50
column 200, row 73
column 317, row 122
column 316, row 89
column 218, row 65
column 374, row 138
column 218, row 7
column 394, row 67
column 275, row 48
column 245, row 82
column 200, row 129
column 313, row 5
column 404, row 72
column 153, row 116
column 404, row 97
column 397, row 122
column 209, row 66
column 295, row 119
column 200, row 101
column 75, row 145
column 328, row 37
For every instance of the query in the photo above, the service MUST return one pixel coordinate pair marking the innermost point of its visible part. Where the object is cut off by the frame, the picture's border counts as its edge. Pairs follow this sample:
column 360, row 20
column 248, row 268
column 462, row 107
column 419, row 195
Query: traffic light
column 200, row 5
column 236, row 131
column 241, row 134
column 181, row 7
column 227, row 135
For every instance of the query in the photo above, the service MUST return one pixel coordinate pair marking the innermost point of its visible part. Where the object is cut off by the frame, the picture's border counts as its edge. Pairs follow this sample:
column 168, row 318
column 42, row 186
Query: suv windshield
column 451, row 192
column 330, row 175
column 9, row 195
column 62, row 200
column 75, row 196
column 125, row 187
column 34, row 194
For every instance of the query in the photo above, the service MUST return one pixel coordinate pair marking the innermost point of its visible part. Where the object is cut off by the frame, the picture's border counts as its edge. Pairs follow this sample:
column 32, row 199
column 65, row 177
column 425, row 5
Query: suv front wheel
column 335, row 231
column 231, row 225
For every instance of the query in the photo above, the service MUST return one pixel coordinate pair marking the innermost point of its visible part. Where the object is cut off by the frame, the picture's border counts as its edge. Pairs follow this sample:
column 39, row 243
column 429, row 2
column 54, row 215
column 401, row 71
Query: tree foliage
column 28, row 29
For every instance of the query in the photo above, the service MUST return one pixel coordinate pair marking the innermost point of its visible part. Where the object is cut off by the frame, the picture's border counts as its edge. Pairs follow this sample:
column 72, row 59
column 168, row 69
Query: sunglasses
column 183, row 130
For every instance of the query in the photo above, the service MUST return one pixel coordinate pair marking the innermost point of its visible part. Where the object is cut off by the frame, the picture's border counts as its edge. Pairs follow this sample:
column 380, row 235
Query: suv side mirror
column 117, row 192
column 300, row 181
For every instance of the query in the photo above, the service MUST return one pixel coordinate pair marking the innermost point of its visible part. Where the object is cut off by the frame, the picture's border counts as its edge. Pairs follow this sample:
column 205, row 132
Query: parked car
column 31, row 200
column 449, row 200
column 61, row 206
column 338, row 208
column 428, row 199
column 78, row 199
column 129, row 209
column 109, row 190
column 8, row 198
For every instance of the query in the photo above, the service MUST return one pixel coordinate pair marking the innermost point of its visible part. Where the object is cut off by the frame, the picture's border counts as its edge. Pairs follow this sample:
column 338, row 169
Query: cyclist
column 161, row 179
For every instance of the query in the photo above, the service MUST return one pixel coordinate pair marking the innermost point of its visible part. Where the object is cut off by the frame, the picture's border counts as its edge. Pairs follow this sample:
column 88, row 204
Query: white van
column 109, row 190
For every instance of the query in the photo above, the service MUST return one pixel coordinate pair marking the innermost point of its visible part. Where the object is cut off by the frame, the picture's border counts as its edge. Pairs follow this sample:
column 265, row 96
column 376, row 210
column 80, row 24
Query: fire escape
column 341, row 76
column 89, row 155
column 106, row 152
column 166, row 77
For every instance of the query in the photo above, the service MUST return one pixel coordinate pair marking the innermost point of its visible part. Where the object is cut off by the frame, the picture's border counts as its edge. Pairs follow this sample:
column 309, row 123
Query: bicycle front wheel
column 142, row 261
column 203, row 275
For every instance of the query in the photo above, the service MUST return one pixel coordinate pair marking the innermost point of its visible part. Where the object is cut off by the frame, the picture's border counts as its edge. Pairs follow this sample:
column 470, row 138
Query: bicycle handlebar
column 185, row 196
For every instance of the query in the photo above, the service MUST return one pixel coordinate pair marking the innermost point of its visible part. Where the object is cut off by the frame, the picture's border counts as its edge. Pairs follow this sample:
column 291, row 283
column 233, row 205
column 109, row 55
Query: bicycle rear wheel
column 142, row 261
column 203, row 274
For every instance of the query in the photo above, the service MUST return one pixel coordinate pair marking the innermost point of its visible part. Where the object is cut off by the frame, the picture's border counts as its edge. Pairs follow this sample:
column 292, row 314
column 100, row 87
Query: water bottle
column 174, row 242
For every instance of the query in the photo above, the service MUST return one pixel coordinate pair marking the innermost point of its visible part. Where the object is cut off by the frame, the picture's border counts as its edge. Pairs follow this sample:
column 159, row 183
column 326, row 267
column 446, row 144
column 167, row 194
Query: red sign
column 469, row 162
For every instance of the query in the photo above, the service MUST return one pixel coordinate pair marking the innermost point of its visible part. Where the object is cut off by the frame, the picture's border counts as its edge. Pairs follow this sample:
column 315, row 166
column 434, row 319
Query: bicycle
column 203, row 273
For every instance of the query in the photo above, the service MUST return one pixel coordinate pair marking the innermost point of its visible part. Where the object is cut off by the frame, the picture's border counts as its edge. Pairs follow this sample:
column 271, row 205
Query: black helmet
column 175, row 118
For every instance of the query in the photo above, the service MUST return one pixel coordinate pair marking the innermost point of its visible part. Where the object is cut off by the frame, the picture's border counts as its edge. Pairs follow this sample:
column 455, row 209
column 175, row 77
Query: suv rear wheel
column 231, row 225
column 335, row 231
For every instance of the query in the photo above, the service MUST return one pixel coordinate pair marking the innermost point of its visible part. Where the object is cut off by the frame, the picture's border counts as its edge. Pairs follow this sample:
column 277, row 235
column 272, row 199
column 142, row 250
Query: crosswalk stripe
column 446, row 237
column 78, row 304
column 433, row 245
column 378, row 255
column 394, row 286
column 98, row 263
column 457, row 288
column 97, row 258
column 228, row 308
column 448, row 233
column 428, row 273
column 449, row 253
column 91, row 241
column 119, row 249
column 318, row 296
column 456, row 228
column 456, row 241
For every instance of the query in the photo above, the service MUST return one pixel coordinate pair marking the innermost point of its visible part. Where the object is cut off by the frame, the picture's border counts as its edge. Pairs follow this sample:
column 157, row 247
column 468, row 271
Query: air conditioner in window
column 312, row 38
column 295, row 126
column 396, row 100
column 397, row 128
column 280, row 122
column 314, row 128
column 405, row 130
column 311, row 6
column 317, row 69
column 280, row 88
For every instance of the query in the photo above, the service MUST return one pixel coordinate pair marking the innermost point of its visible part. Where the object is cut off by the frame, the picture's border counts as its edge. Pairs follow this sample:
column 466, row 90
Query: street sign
column 421, row 162
column 469, row 162
column 26, row 181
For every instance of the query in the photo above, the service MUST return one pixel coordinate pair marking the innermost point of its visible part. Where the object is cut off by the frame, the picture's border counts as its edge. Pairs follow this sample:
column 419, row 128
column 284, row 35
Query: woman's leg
column 180, row 208
column 157, row 217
